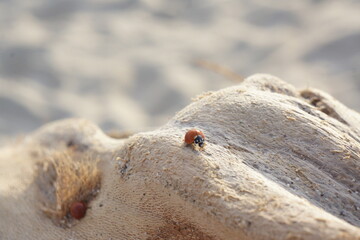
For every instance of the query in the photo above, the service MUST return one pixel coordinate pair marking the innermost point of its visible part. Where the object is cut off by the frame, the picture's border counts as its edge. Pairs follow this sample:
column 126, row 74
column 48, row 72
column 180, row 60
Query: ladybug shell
column 78, row 210
column 191, row 134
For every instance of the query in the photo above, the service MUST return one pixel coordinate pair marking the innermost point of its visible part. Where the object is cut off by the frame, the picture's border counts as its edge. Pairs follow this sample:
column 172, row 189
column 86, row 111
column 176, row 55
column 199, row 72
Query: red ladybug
column 78, row 210
column 196, row 137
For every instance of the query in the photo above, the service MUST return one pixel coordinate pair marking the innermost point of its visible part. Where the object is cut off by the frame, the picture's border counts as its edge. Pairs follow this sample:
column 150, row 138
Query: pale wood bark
column 278, row 164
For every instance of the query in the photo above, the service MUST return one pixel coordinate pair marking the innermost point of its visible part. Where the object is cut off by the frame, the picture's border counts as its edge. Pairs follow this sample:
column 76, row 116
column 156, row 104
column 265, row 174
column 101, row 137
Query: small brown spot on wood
column 74, row 146
column 179, row 230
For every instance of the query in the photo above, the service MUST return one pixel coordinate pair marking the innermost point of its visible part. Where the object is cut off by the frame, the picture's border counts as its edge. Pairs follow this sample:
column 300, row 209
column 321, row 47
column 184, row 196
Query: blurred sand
column 130, row 64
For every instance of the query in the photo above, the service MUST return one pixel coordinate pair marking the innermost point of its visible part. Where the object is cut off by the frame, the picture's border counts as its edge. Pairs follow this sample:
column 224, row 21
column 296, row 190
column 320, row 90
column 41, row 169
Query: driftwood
column 278, row 164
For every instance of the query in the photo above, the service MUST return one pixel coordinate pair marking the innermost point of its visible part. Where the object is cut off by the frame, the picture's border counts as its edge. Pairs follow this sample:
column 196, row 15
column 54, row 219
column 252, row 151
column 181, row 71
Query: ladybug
column 195, row 137
column 78, row 210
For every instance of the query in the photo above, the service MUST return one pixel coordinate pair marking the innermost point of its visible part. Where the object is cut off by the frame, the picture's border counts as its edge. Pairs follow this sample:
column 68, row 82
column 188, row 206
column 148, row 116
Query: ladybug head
column 199, row 140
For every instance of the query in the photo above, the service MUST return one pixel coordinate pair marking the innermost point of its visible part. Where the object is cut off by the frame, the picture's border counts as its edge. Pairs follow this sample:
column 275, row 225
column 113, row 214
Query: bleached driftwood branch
column 278, row 164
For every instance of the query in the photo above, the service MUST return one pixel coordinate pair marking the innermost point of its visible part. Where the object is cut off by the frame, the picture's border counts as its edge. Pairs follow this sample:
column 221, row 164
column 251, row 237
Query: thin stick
column 219, row 69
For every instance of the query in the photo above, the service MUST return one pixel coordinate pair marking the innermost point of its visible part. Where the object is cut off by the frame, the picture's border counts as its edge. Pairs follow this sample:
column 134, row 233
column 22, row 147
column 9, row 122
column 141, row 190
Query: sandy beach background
column 130, row 65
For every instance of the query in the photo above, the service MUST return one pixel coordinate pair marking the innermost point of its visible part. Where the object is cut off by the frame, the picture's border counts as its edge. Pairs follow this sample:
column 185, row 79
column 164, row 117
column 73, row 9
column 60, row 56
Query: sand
column 131, row 65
